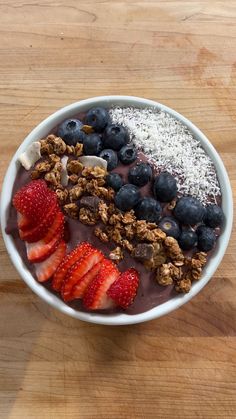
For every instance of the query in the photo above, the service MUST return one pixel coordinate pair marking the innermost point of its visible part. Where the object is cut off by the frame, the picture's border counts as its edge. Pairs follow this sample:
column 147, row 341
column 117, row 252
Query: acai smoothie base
column 145, row 235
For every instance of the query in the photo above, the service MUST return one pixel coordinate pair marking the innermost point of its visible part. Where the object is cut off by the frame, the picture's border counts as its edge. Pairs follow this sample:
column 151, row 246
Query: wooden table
column 181, row 53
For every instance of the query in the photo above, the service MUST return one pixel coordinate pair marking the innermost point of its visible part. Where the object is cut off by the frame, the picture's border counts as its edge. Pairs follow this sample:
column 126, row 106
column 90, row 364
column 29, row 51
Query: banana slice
column 30, row 156
column 93, row 161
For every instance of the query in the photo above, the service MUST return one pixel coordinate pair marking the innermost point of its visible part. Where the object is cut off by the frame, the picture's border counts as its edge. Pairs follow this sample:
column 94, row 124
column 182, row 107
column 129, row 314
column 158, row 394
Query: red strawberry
column 96, row 296
column 46, row 269
column 80, row 287
column 23, row 222
column 41, row 250
column 56, row 227
column 30, row 199
column 38, row 232
column 78, row 270
column 67, row 263
column 124, row 289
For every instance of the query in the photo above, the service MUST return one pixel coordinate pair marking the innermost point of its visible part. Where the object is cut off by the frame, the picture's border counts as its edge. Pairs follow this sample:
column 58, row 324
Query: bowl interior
column 117, row 319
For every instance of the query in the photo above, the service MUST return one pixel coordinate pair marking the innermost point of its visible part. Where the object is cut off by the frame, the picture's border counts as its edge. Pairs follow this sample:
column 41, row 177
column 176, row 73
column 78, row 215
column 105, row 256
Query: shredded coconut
column 169, row 145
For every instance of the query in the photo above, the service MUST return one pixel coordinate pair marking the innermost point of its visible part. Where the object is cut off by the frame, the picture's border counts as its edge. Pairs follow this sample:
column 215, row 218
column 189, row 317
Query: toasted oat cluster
column 86, row 197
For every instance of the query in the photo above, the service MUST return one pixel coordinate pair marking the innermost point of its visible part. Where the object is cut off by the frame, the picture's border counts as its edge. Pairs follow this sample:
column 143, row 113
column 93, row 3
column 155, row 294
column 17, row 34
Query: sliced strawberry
column 23, row 222
column 46, row 269
column 39, row 251
column 39, row 231
column 42, row 249
column 78, row 270
column 81, row 286
column 67, row 263
column 30, row 199
column 56, row 227
column 96, row 297
column 124, row 289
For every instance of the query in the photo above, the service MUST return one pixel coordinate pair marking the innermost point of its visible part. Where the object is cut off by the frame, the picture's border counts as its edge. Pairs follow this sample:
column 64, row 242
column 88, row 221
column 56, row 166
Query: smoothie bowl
column 116, row 210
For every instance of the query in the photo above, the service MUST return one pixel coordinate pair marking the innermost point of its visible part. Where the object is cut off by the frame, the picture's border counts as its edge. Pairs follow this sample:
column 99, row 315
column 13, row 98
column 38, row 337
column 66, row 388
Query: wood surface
column 181, row 53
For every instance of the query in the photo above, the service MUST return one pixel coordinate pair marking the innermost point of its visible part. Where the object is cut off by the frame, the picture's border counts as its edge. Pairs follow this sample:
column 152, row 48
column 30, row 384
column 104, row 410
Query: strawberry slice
column 23, row 222
column 67, row 263
column 39, row 251
column 30, row 199
column 124, row 289
column 38, row 232
column 46, row 269
column 78, row 270
column 81, row 286
column 95, row 297
column 56, row 227
column 42, row 249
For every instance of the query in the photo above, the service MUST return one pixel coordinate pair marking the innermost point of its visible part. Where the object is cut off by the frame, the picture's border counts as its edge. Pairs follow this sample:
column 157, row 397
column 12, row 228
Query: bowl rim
column 118, row 318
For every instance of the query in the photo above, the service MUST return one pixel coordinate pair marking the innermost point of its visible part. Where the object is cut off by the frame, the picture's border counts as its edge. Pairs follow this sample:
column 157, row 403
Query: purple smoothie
column 149, row 295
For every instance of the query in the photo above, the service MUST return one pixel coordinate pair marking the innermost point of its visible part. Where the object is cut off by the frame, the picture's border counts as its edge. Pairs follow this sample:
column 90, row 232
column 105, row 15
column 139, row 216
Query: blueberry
column 127, row 197
column 92, row 145
column 127, row 154
column 189, row 210
column 206, row 238
column 70, row 131
column 111, row 157
column 115, row 136
column 114, row 180
column 187, row 239
column 140, row 174
column 98, row 118
column 165, row 187
column 148, row 209
column 169, row 226
column 214, row 216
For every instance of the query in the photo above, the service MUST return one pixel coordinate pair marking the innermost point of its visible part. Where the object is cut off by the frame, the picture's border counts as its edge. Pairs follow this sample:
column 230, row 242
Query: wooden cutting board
column 180, row 53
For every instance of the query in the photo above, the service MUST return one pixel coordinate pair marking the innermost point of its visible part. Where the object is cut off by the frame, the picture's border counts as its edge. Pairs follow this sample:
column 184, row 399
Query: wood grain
column 181, row 53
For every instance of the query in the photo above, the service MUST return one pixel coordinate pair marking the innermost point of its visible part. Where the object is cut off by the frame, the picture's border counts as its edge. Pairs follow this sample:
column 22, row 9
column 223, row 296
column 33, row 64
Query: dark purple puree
column 149, row 294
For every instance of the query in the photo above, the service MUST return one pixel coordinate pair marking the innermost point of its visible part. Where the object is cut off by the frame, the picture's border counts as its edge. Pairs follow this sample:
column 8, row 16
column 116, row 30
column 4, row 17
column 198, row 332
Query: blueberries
column 187, row 239
column 70, row 131
column 114, row 180
column 165, row 187
column 92, row 145
column 127, row 154
column 140, row 174
column 214, row 216
column 111, row 157
column 189, row 210
column 115, row 136
column 127, row 197
column 98, row 118
column 206, row 238
column 148, row 209
column 169, row 226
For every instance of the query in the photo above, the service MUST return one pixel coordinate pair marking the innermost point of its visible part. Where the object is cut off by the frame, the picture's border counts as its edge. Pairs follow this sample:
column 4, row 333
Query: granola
column 116, row 254
column 74, row 178
column 88, row 217
column 71, row 210
column 101, row 234
column 75, row 193
column 103, row 211
column 62, row 195
column 74, row 167
column 184, row 285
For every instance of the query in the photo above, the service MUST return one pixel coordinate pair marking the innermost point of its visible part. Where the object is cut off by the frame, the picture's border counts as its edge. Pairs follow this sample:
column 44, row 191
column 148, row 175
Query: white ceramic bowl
column 117, row 319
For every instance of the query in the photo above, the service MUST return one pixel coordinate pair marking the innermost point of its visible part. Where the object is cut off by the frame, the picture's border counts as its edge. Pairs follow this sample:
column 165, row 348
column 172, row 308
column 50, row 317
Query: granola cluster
column 52, row 149
column 87, row 199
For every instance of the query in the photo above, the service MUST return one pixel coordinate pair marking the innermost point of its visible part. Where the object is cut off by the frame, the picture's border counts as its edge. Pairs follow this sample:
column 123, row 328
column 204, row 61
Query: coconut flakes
column 169, row 145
